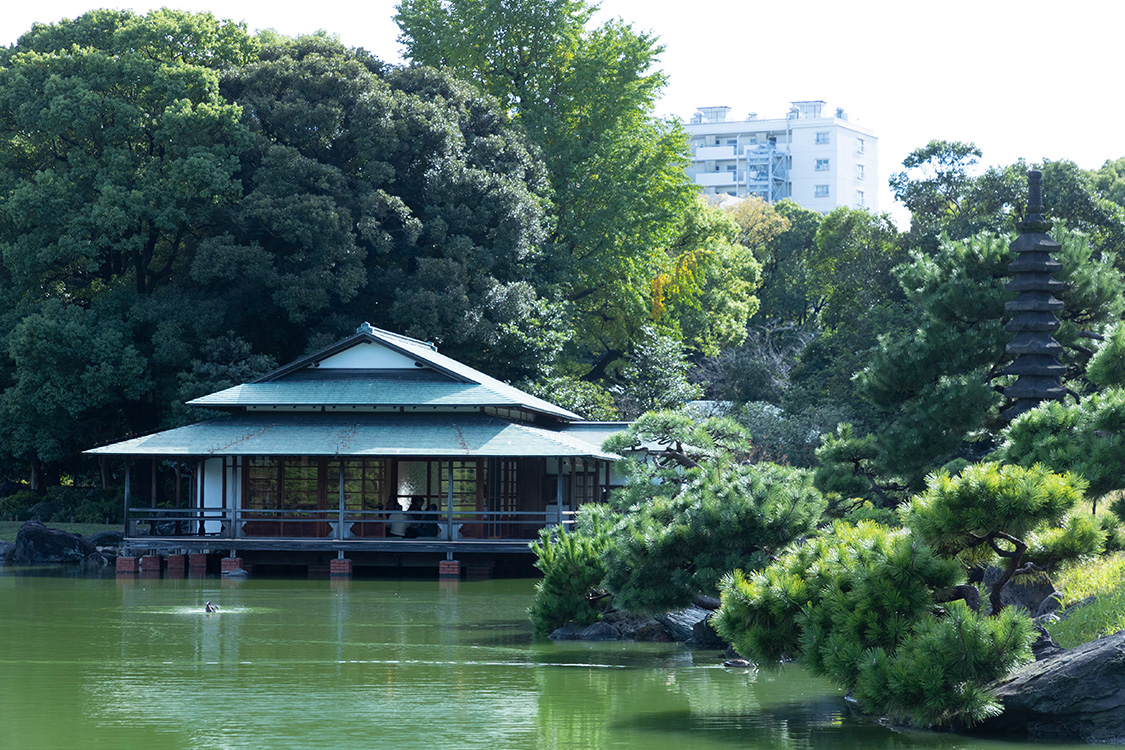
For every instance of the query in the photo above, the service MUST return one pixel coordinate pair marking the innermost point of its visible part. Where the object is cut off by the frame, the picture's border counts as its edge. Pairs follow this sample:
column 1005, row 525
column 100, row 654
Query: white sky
column 1028, row 79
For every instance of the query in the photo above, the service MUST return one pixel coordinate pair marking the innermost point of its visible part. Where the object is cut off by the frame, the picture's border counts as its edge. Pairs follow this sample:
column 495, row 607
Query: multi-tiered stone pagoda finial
column 1037, row 366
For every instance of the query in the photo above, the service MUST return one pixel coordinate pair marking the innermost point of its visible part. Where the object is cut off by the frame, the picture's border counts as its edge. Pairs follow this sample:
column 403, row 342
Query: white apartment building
column 819, row 161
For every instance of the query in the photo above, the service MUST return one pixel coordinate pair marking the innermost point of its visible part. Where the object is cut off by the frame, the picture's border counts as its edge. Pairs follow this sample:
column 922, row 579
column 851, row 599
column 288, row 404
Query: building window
column 822, row 165
column 859, row 171
column 860, row 199
column 821, row 191
column 732, row 167
column 860, row 144
column 821, row 138
column 732, row 141
column 753, row 137
column 718, row 141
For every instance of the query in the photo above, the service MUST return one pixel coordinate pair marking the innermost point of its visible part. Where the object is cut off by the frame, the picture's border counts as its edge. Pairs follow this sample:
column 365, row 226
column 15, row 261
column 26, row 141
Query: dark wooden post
column 128, row 482
column 1037, row 366
column 340, row 511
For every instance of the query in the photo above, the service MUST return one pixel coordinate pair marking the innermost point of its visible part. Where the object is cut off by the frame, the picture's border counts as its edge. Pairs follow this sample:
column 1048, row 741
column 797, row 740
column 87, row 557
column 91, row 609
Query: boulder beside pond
column 1076, row 694
column 36, row 544
column 681, row 623
column 599, row 631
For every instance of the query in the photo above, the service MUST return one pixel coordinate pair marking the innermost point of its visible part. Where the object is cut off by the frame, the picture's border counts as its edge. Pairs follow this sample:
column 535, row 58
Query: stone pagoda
column 1037, row 367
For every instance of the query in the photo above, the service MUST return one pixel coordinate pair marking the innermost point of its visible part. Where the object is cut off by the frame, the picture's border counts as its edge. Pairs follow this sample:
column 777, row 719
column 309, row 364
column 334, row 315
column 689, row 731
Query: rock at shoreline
column 681, row 623
column 1078, row 694
column 6, row 550
column 106, row 539
column 95, row 561
column 615, row 627
column 692, row 626
column 36, row 544
column 599, row 631
column 638, row 628
column 703, row 635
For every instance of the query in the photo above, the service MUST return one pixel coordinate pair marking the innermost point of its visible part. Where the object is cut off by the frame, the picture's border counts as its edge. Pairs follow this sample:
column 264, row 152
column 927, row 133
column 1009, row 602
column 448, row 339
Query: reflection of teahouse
column 311, row 461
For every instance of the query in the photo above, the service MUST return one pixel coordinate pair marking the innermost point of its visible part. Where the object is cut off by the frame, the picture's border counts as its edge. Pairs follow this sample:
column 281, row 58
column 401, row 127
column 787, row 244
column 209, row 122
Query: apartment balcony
column 714, row 152
column 717, row 179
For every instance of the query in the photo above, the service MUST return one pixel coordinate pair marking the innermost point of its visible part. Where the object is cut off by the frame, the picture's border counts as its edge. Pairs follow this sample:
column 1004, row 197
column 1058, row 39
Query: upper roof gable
column 381, row 355
column 371, row 348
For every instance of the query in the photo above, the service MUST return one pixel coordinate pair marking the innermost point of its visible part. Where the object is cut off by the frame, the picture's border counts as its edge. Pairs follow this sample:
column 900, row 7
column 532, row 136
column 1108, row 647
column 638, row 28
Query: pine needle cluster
column 723, row 516
column 859, row 606
column 573, row 568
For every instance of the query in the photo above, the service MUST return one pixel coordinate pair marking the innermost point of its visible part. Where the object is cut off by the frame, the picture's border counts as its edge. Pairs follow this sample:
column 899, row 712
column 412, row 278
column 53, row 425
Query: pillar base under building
column 128, row 564
column 341, row 567
column 233, row 566
column 449, row 569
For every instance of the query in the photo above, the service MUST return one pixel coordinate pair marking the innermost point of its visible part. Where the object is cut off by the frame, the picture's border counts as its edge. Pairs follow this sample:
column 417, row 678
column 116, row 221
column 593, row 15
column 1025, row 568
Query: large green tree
column 181, row 206
column 117, row 155
column 399, row 196
column 585, row 95
column 949, row 194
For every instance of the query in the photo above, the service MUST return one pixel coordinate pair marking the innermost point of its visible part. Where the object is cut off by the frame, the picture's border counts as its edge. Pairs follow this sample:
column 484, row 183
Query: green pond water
column 131, row 663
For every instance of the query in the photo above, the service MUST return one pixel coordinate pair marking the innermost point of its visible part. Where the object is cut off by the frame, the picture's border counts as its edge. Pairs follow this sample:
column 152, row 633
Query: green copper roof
column 357, row 435
column 372, row 393
column 387, row 388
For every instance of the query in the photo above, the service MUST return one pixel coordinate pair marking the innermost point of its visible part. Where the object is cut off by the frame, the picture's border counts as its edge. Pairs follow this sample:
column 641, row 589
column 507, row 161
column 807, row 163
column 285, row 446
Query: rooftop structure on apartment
column 816, row 157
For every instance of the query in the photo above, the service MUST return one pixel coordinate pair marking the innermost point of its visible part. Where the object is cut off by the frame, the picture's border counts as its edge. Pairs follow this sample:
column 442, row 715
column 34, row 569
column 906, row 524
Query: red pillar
column 231, row 564
column 128, row 564
column 449, row 569
column 340, row 567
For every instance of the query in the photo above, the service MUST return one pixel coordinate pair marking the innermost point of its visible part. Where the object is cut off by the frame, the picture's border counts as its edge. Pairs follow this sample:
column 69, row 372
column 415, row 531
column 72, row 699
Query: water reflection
column 136, row 663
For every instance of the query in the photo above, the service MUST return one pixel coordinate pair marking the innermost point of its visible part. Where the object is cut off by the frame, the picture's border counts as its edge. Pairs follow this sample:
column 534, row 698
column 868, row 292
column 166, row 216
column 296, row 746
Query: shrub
column 875, row 609
column 89, row 504
column 15, row 507
column 725, row 516
column 695, row 509
column 573, row 569
column 860, row 605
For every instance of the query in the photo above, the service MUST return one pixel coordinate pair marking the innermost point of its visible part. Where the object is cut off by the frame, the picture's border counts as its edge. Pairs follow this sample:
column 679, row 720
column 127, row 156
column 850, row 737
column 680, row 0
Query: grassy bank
column 8, row 529
column 1103, row 579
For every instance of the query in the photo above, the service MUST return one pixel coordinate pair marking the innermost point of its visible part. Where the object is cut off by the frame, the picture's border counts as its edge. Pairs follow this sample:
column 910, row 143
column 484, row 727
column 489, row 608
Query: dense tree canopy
column 117, row 156
column 933, row 388
column 181, row 204
column 403, row 197
column 585, row 96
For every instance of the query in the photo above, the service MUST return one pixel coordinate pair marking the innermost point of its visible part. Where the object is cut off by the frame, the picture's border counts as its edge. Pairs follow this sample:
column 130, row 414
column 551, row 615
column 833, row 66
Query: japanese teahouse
column 377, row 450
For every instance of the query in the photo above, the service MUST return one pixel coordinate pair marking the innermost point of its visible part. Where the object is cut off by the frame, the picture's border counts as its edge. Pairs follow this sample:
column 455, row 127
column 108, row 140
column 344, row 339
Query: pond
column 130, row 663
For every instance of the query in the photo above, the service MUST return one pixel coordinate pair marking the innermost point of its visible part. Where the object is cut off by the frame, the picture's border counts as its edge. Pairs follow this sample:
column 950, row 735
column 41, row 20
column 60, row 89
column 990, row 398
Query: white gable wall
column 368, row 356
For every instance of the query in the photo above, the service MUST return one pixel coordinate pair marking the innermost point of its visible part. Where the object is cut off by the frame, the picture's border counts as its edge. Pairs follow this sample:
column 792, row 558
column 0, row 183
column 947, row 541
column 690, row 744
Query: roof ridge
column 372, row 331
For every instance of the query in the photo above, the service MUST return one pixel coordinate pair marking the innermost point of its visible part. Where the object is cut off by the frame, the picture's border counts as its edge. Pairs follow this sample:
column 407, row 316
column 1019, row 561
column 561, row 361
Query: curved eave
column 377, row 395
column 471, row 435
